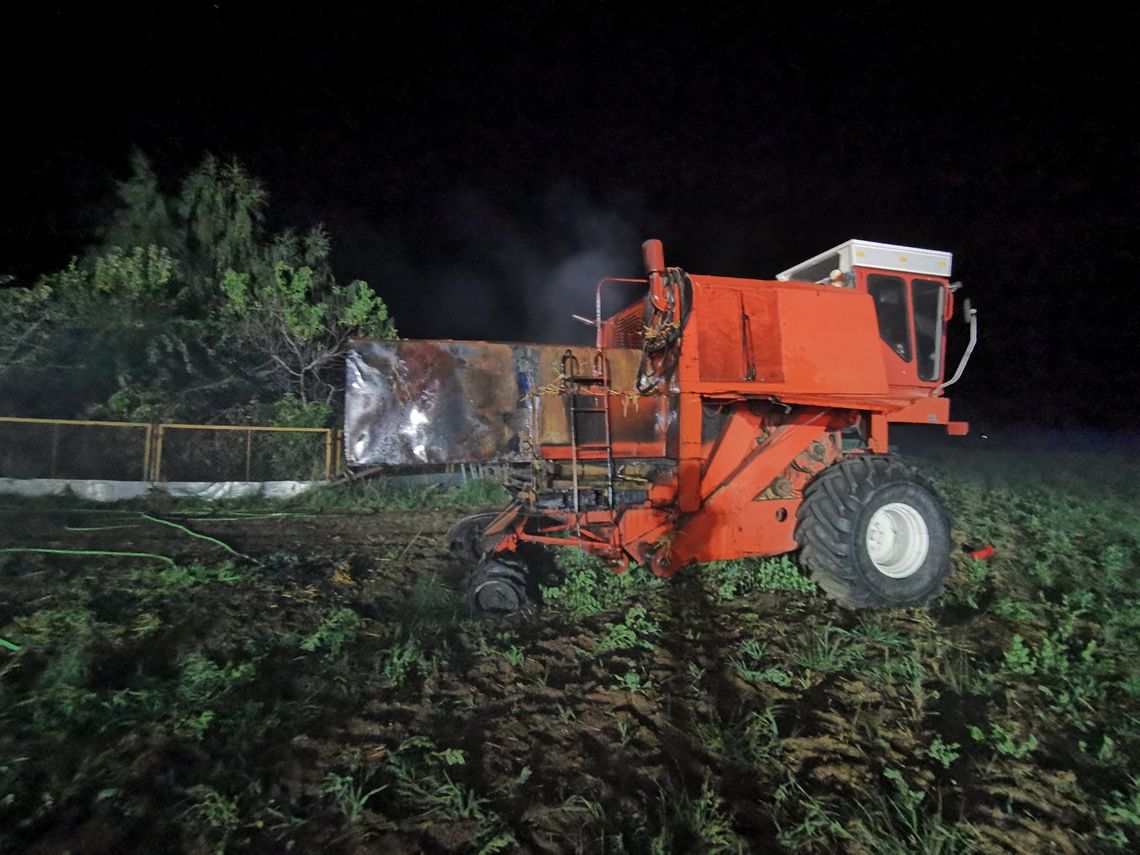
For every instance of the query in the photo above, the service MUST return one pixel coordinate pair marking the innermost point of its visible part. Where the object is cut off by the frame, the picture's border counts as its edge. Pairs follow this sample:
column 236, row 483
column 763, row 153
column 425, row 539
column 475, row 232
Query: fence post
column 158, row 453
column 147, row 443
column 328, row 453
column 248, row 450
column 54, row 448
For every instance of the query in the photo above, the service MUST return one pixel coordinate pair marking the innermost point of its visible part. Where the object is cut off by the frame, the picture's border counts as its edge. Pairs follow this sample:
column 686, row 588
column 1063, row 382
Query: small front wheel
column 495, row 586
column 873, row 534
column 465, row 539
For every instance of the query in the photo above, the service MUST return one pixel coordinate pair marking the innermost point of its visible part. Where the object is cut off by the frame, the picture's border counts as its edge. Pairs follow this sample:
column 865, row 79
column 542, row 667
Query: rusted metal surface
column 639, row 424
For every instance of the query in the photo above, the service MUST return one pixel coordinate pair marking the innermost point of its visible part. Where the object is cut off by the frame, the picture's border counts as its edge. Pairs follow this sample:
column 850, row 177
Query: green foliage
column 731, row 579
column 385, row 494
column 749, row 662
column 1124, row 809
column 811, row 823
column 401, row 659
column 633, row 681
column 419, row 772
column 943, row 752
column 1019, row 658
column 826, row 652
column 214, row 810
column 195, row 726
column 223, row 209
column 968, row 587
column 634, row 631
column 1004, row 741
column 701, row 823
column 141, row 272
column 515, row 655
column 173, row 580
column 1070, row 672
column 143, row 216
column 187, row 308
column 338, row 628
column 473, row 493
column 911, row 799
column 590, row 587
column 201, row 680
column 351, row 792
column 120, row 672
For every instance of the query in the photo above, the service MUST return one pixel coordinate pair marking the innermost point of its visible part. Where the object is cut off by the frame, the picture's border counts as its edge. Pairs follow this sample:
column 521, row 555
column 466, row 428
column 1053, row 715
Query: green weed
column 350, row 793
column 943, row 752
column 732, row 579
column 827, row 651
column 217, row 812
column 1123, row 814
column 384, row 494
column 400, row 661
column 625, row 732
column 195, row 726
column 340, row 627
column 898, row 824
column 1005, row 742
column 589, row 587
column 752, row 652
column 515, row 655
column 695, row 824
column 635, row 630
column 810, row 822
column 170, row 581
column 633, row 681
column 201, row 680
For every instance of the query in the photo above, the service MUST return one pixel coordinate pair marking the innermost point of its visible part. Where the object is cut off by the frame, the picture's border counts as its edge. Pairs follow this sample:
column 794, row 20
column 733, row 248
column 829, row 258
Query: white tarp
column 117, row 491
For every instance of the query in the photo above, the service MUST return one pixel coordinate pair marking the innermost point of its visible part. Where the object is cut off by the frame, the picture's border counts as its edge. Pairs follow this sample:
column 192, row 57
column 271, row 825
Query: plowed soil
column 312, row 683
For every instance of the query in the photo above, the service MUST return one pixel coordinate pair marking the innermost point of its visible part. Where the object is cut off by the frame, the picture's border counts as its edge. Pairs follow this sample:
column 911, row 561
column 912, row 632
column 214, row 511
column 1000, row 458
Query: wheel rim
column 498, row 595
column 897, row 540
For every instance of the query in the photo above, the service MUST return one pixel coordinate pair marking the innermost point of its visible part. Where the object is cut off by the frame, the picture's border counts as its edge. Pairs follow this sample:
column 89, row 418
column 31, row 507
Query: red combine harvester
column 717, row 418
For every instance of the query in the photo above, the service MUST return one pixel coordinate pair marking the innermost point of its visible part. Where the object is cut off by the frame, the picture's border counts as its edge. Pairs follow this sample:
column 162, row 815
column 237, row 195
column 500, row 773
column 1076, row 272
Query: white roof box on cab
column 866, row 253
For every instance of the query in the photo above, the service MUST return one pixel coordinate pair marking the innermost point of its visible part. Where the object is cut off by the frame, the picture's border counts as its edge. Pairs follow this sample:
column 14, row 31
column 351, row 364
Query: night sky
column 482, row 164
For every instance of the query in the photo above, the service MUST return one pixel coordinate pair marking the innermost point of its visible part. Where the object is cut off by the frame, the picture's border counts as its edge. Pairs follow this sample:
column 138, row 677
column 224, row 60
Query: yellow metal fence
column 137, row 451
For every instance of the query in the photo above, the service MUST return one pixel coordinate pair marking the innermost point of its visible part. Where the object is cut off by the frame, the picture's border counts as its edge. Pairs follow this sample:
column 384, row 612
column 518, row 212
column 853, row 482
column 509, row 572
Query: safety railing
column 134, row 451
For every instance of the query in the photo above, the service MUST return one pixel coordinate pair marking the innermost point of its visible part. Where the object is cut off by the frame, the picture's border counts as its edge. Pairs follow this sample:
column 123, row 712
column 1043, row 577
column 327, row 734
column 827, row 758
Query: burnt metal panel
column 410, row 403
column 414, row 402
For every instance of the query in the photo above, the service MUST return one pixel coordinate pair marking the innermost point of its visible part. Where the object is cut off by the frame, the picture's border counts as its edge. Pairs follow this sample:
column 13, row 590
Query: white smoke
column 547, row 265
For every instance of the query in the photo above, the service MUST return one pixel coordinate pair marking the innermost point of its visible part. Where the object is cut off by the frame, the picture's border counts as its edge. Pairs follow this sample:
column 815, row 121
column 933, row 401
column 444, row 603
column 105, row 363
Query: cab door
column 910, row 309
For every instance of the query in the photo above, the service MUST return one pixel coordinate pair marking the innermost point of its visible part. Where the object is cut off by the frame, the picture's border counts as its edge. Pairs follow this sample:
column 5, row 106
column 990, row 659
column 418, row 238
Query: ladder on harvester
column 595, row 387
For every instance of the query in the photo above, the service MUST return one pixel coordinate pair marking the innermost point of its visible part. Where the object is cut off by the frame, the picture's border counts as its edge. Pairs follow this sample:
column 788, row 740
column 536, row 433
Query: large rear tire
column 873, row 534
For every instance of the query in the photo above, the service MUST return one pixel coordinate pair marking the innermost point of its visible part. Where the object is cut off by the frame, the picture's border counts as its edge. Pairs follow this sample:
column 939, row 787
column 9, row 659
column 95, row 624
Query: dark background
column 481, row 165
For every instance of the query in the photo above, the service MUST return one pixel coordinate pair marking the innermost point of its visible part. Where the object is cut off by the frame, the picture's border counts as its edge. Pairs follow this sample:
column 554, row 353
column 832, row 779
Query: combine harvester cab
column 717, row 418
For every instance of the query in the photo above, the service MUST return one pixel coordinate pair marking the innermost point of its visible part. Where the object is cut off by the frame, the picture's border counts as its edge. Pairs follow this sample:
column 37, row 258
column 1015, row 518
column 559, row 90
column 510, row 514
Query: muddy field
column 303, row 677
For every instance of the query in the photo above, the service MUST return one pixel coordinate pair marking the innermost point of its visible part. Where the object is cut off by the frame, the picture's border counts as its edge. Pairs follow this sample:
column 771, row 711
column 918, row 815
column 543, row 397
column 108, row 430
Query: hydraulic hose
column 661, row 335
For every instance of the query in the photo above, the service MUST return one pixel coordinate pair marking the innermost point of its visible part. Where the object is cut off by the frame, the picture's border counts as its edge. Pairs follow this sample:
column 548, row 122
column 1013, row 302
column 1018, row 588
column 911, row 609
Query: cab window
column 889, row 293
column 927, row 298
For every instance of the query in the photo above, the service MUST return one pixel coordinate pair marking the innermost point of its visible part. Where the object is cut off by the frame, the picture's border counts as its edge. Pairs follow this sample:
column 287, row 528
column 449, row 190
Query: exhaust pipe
column 654, row 254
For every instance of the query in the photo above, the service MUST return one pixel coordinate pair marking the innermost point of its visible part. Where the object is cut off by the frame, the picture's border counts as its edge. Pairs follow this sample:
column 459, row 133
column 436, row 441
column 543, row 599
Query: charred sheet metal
column 417, row 402
column 410, row 403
